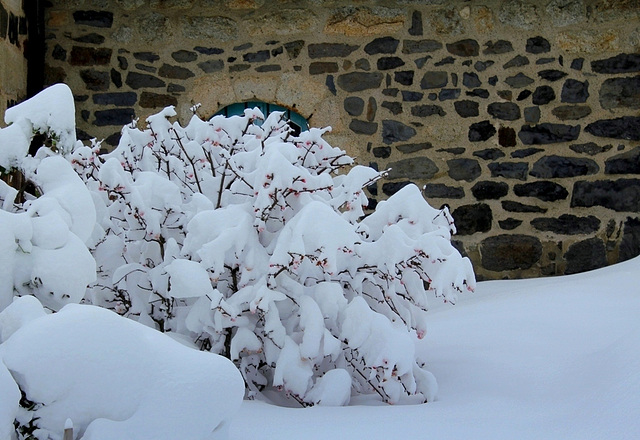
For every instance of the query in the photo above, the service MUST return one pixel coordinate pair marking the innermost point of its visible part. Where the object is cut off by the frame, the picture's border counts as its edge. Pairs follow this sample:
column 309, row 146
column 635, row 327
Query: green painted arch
column 297, row 122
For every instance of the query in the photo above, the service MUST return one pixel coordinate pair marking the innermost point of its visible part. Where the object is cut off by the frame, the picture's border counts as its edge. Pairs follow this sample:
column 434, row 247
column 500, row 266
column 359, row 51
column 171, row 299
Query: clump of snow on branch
column 148, row 385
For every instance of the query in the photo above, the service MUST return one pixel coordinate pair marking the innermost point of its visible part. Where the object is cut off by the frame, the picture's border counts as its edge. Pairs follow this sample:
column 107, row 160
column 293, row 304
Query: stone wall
column 13, row 65
column 522, row 116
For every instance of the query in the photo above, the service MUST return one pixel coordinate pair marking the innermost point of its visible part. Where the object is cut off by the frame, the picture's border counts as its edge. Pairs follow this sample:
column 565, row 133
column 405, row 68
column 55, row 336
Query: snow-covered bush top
column 253, row 243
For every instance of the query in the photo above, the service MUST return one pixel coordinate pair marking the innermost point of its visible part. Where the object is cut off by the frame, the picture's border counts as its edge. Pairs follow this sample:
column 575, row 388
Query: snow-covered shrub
column 42, row 240
column 113, row 377
column 254, row 244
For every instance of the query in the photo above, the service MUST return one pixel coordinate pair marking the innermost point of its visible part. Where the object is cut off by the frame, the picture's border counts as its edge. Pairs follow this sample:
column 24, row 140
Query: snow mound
column 114, row 378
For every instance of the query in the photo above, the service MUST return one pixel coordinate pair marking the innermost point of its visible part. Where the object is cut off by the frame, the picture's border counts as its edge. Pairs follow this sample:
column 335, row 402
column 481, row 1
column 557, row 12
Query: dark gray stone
column 89, row 56
column 175, row 88
column 184, row 56
column 517, row 61
column 454, row 150
column 395, row 131
column 620, row 92
column 422, row 111
column 372, row 108
column 630, row 243
column 256, row 57
column 497, row 47
column 100, row 19
column 331, row 85
column 494, row 80
column 626, row 127
column 518, row 81
column 448, row 94
column 239, row 68
column 481, row 66
column 547, row 133
column 125, row 99
column 509, row 224
column 464, row 48
column 208, row 50
column 405, row 77
column 294, row 48
column 411, row 96
column 363, row 127
column 59, row 53
column 545, row 60
column 574, row 91
column 481, row 131
column 382, row 152
column 621, row 195
column 478, row 93
column 571, row 112
column 537, row 45
column 623, row 63
column 413, row 148
column 420, row 46
column 577, row 63
column 211, row 66
column 585, row 255
column 322, row 67
column 512, row 206
column 470, row 219
column 526, row 152
column 95, row 80
column 394, row 107
column 120, row 117
column 590, row 148
column 509, row 170
column 445, row 61
column 389, row 63
column 505, row 94
column 269, row 68
column 392, row 91
column 359, row 81
column 434, row 79
column 467, row 109
column 543, row 190
column 175, row 72
column 123, row 63
column 4, row 21
column 156, row 100
column 532, row 115
column 489, row 154
column 354, row 105
column 488, row 190
column 363, row 64
column 567, row 224
column 442, row 191
column 146, row 68
column 382, row 45
column 116, row 78
column 507, row 111
column 149, row 57
column 507, row 137
column 137, row 80
column 551, row 74
column 471, row 80
column 390, row 188
column 92, row 38
column 510, row 252
column 625, row 163
column 326, row 50
column 464, row 169
column 416, row 23
column 413, row 168
column 420, row 62
column 543, row 95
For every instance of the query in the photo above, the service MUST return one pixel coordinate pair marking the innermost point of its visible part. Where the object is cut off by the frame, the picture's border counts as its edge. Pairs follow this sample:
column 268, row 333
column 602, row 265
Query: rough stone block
column 464, row 48
column 211, row 66
column 101, row 19
column 509, row 170
column 481, row 131
column 620, row 92
column 543, row 190
column 464, row 169
column 328, row 50
column 623, row 63
column 420, row 46
column 363, row 127
column 547, row 133
column 442, row 191
column 422, row 111
column 470, row 219
column 124, row 99
column 386, row 45
column 359, row 81
column 95, row 80
column 625, row 163
column 137, row 80
column 413, row 168
column 621, row 195
column 511, row 206
column 507, row 111
column 119, row 116
column 574, row 91
column 585, row 255
column 89, row 56
column 156, row 100
column 489, row 190
column 626, row 127
column 510, row 252
column 489, row 154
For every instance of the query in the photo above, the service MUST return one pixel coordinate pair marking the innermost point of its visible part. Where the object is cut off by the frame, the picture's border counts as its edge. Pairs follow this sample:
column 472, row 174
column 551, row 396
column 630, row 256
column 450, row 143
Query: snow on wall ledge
column 521, row 116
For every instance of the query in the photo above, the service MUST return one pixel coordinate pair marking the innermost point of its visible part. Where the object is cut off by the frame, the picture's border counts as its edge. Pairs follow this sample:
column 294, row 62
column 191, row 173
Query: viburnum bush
column 253, row 242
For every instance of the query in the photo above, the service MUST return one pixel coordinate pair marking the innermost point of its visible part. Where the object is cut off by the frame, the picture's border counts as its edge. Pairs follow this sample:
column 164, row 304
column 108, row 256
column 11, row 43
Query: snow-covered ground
column 551, row 358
